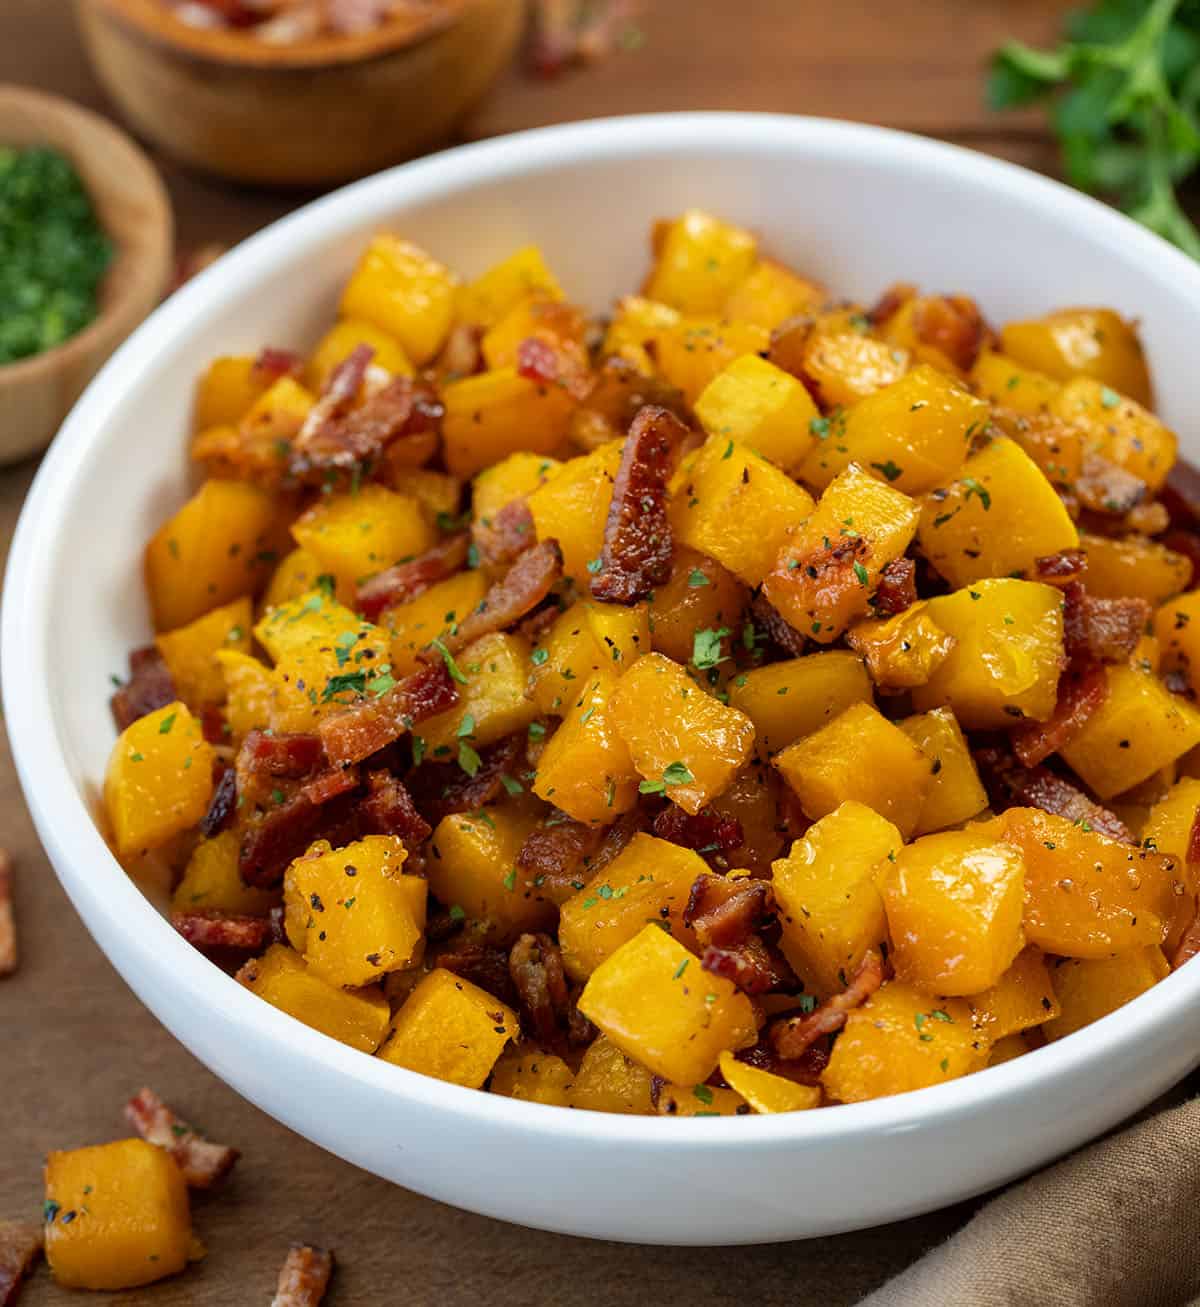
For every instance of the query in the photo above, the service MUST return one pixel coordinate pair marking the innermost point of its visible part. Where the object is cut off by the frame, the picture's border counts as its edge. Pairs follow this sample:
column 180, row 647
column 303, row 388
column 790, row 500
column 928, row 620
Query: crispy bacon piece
column 778, row 628
column 149, row 687
column 369, row 725
column 504, row 537
column 8, row 923
column 323, row 806
column 708, row 831
column 724, row 912
column 443, row 788
column 404, row 581
column 892, row 299
column 211, row 930
column 561, row 364
column 1066, row 565
column 304, row 1277
column 388, row 809
column 201, row 1161
column 20, row 1247
column 1189, row 945
column 952, row 324
column 524, row 586
column 1082, row 690
column 897, row 589
column 287, row 755
column 793, row 1036
column 804, row 1070
column 619, row 392
column 273, row 364
column 482, row 964
column 337, row 397
column 1106, row 630
column 753, row 966
column 1105, row 488
column 637, row 550
column 548, row 1012
column 1193, row 848
column 558, row 853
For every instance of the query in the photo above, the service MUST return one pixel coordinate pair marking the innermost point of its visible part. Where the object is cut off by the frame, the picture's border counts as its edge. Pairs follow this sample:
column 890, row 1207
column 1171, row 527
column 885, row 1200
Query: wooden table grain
column 74, row 1043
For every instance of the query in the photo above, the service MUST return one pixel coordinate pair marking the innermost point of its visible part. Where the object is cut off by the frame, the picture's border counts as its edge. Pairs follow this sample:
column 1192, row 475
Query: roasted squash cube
column 1168, row 829
column 1021, row 999
column 226, row 391
column 608, row 1081
column 904, row 651
column 737, row 508
column 116, row 1216
column 342, row 339
column 844, row 367
column 695, row 349
column 1007, row 655
column 1177, row 627
column 297, row 573
column 956, row 793
column 484, row 301
column 701, row 595
column 513, row 477
column 762, row 407
column 249, row 692
column 212, row 880
column 352, row 536
column 533, row 1076
column 572, row 508
column 537, row 318
column 862, row 756
column 190, row 651
column 1120, row 429
column 954, row 905
column 831, row 911
column 765, row 1091
column 1005, row 382
column 1133, row 566
column 654, row 1002
column 1090, row 988
column 276, row 415
column 770, row 294
column 415, row 624
column 493, row 414
column 358, row 1018
column 401, row 289
column 700, row 1100
column 159, row 779
column 1095, row 343
column 492, row 703
column 637, row 323
column 589, row 638
column 789, row 700
column 450, row 1029
column 683, row 741
column 700, row 262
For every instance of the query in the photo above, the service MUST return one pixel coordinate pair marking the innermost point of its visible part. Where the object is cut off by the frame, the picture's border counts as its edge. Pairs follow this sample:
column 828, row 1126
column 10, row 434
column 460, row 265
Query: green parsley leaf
column 706, row 648
column 448, row 658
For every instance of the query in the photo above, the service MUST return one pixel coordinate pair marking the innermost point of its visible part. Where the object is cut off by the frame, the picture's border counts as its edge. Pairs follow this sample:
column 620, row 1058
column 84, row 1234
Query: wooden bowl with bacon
column 297, row 92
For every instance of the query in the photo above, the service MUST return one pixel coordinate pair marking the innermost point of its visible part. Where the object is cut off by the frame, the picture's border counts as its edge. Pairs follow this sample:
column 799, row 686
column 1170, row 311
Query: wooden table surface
column 74, row 1043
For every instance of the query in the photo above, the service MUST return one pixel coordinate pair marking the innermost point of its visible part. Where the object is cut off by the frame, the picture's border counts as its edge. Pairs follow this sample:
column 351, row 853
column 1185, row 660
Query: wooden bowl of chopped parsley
column 86, row 237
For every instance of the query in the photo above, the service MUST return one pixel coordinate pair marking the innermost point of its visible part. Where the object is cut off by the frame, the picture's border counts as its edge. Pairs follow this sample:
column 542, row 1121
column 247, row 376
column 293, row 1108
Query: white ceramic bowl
column 857, row 206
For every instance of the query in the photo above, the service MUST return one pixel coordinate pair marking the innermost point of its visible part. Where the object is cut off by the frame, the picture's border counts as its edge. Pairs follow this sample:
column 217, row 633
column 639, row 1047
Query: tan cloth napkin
column 1116, row 1225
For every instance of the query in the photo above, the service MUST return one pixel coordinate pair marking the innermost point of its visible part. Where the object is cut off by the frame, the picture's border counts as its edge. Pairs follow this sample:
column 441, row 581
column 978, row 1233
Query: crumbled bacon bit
column 1010, row 785
column 211, row 930
column 892, row 299
column 20, row 1247
column 330, row 784
column 562, row 364
column 365, row 727
column 1193, row 848
column 1103, row 487
column 388, row 809
column 897, row 589
column 443, row 788
column 753, row 966
column 222, row 806
column 793, row 1036
column 804, row 1070
column 724, row 912
column 273, row 838
column 536, row 967
column 637, row 551
column 337, row 397
column 523, row 587
column 201, row 1161
column 1082, row 690
column 781, row 632
column 557, row 853
column 8, row 923
column 304, row 1277
column 149, row 687
column 404, row 581
column 1106, row 630
column 566, row 33
column 482, row 964
column 290, row 755
column 708, row 831
column 273, row 364
column 505, row 536
column 1067, row 564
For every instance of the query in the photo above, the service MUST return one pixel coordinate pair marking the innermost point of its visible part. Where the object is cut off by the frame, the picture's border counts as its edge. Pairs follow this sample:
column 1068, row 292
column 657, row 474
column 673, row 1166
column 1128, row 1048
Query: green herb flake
column 704, row 1094
column 164, row 727
column 889, row 469
column 468, row 759
column 697, row 579
column 448, row 658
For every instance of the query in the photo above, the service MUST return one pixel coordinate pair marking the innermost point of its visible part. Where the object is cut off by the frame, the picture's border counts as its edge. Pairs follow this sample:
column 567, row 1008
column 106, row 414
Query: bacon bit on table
column 388, row 809
column 149, row 687
column 404, row 581
column 897, row 589
column 1082, row 690
column 708, row 831
column 365, row 727
column 514, row 596
column 567, row 33
column 20, row 1247
column 505, row 536
column 304, row 1277
column 1010, row 785
column 637, row 551
column 1106, row 630
column 201, row 1161
column 793, row 1036
column 213, row 931
column 8, row 923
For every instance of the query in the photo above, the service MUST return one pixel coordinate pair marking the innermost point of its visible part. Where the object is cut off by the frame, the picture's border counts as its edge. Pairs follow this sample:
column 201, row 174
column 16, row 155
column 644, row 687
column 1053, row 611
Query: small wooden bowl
column 132, row 205
column 311, row 113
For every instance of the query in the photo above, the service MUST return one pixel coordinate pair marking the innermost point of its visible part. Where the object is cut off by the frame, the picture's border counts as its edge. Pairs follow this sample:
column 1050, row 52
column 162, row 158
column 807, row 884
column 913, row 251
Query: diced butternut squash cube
column 491, row 705
column 503, row 286
column 513, row 477
column 1140, row 728
column 1005, row 382
column 585, row 768
column 1168, row 829
column 831, row 911
column 737, row 508
column 1095, row 343
column 847, row 366
column 608, row 1081
column 342, row 339
column 789, row 700
column 401, row 289
column 830, row 566
column 762, row 407
column 862, row 756
column 212, row 880
column 159, row 779
column 682, row 740
column 560, row 326
column 533, row 1076
column 417, row 623
column 1007, row 655
column 1088, row 989
column 954, row 905
column 116, row 1216
column 358, row 1018
column 351, row 912
column 190, row 652
column 691, row 353
column 637, row 323
column 438, row 493
column 654, row 1002
column 899, row 1040
column 297, row 573
column 649, row 880
column 1133, row 566
column 1177, row 626
column 904, row 651
column 765, row 1091
column 998, row 518
column 221, row 544
column 226, row 391
column 700, row 262
column 914, row 433
column 701, row 595
column 494, row 414
column 276, row 416
column 1008, row 1048
column 752, row 798
column 473, row 866
column 572, row 508
column 450, row 1029
column 249, row 692
column 770, row 294
column 700, row 1100
column 1120, row 429
column 588, row 638
column 1021, row 999
column 956, row 793
column 1088, row 896
column 352, row 536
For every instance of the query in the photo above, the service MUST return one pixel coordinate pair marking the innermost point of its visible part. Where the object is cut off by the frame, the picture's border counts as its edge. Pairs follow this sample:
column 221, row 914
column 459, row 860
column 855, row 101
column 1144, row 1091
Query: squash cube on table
column 492, row 703
column 862, row 756
column 1096, row 343
column 1090, row 988
column 212, row 880
column 496, row 413
column 402, row 290
column 1007, row 655
column 351, row 912
column 788, row 700
column 450, row 1029
column 159, row 779
column 700, row 595
column 700, row 261
column 1135, row 567
column 589, row 638
column 572, row 508
column 765, row 1091
column 1003, row 381
column 609, row 1081
column 683, row 741
column 496, row 292
column 770, row 294
column 956, row 793
column 358, row 1018
column 418, row 622
column 762, row 407
column 533, row 1076
column 190, row 651
column 954, row 904
column 843, row 367
column 117, row 1216
column 831, row 911
column 904, row 651
column 1119, row 429
column 1020, row 1000
column 829, row 567
column 902, row 1039
column 342, row 339
column 653, row 1001
column 736, row 507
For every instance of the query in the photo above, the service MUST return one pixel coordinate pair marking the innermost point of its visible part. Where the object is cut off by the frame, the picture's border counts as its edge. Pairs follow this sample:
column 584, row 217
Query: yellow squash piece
column 402, row 290
column 700, row 1100
column 1095, row 343
column 1177, row 627
column 342, row 339
column 1168, row 829
column 1003, row 381
column 249, row 692
column 770, row 294
column 212, row 881
column 297, row 573
column 1120, row 429
column 694, row 350
column 845, row 366
column 226, row 391
column 701, row 260
column 789, row 700
column 701, row 595
column 415, row 624
column 492, row 703
column 511, row 478
column 1090, row 989
column 1020, row 1000
column 190, row 651
column 1133, row 566
column 608, row 1081
column 904, row 651
column 487, row 299
column 497, row 413
column 572, row 508
column 765, row 1091
column 589, row 638
column 533, row 1076
column 761, row 407
column 956, row 793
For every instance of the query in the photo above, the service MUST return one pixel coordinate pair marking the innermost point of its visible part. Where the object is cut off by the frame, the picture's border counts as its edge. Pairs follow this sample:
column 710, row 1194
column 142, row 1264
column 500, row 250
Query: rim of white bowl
column 100, row 888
